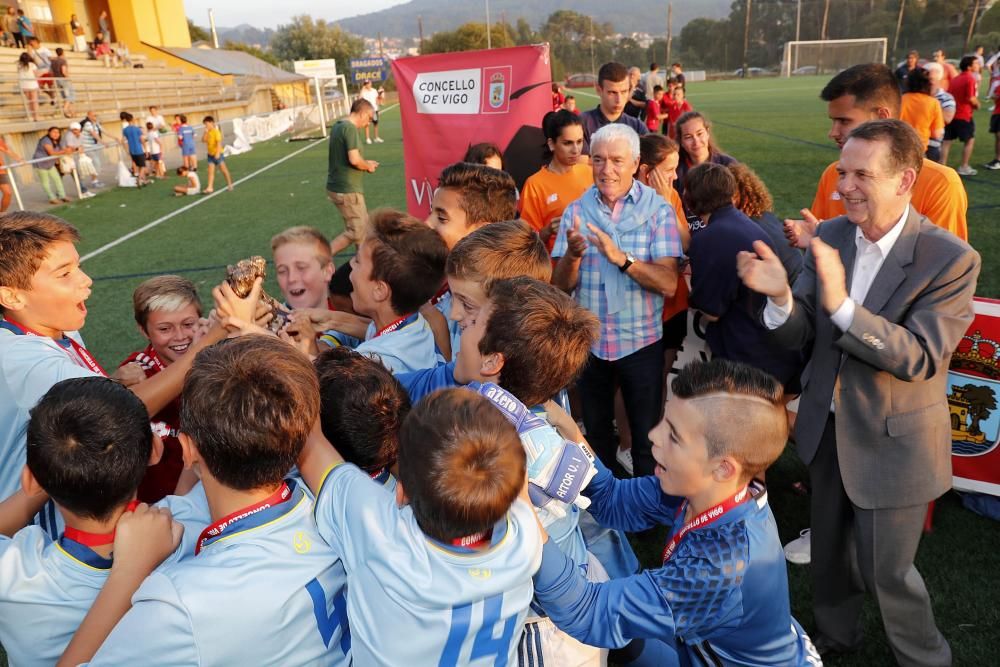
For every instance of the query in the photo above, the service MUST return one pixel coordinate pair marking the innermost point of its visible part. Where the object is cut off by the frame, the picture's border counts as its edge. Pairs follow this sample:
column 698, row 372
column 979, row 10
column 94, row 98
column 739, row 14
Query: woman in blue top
column 49, row 147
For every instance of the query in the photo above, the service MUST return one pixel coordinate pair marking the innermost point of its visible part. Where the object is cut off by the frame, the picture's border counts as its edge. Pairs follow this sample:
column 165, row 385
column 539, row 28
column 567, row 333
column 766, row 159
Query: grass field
column 776, row 126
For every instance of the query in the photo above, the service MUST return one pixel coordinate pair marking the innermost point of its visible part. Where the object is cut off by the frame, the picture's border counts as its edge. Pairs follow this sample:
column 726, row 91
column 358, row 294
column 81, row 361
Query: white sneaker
column 624, row 458
column 378, row 140
column 368, row 141
column 87, row 195
column 799, row 551
column 966, row 171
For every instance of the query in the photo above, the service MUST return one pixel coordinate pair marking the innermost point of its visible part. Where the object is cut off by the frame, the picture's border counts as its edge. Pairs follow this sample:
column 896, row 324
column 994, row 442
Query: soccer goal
column 829, row 56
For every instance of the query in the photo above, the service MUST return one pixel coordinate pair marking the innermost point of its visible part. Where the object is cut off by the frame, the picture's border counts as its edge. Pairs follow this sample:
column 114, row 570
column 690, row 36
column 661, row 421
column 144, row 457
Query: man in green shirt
column 346, row 166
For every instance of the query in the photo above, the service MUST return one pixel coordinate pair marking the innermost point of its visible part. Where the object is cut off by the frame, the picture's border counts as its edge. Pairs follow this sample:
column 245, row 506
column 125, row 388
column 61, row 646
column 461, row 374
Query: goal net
column 829, row 56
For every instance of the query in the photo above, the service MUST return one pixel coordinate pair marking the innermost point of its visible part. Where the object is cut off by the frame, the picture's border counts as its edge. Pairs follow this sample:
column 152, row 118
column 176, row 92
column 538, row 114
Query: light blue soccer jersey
column 267, row 590
column 29, row 366
column 46, row 587
column 408, row 348
column 414, row 601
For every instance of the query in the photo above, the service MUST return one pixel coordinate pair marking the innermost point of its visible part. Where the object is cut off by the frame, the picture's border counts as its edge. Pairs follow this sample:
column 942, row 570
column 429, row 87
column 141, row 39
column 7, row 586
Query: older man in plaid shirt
column 617, row 248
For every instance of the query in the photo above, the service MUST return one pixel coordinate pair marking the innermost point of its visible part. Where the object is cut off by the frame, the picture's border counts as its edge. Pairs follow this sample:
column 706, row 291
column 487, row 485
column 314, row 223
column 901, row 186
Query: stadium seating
column 108, row 91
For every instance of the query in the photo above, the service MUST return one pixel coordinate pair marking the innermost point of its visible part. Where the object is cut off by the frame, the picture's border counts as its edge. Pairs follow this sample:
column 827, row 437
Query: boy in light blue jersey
column 439, row 573
column 398, row 267
column 362, row 407
column 721, row 594
column 43, row 292
column 90, row 442
column 468, row 197
column 531, row 339
column 263, row 588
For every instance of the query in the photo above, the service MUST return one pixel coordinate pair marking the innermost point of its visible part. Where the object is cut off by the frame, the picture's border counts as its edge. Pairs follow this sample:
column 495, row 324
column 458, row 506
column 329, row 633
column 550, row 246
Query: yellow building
column 135, row 22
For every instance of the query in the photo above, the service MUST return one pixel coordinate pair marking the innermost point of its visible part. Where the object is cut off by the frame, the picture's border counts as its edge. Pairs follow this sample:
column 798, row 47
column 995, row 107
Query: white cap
column 74, row 126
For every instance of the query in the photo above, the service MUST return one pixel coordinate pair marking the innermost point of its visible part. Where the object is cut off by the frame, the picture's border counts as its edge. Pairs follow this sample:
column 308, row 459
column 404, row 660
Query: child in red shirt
column 654, row 110
column 676, row 107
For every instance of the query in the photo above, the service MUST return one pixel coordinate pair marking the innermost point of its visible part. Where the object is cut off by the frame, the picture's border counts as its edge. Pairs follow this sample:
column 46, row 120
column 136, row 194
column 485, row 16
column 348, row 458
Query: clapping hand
column 606, row 245
column 830, row 274
column 763, row 272
column 800, row 232
column 576, row 242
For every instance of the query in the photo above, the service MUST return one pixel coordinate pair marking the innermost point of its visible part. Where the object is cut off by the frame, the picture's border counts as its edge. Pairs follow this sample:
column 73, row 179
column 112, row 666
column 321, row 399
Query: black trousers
column 640, row 376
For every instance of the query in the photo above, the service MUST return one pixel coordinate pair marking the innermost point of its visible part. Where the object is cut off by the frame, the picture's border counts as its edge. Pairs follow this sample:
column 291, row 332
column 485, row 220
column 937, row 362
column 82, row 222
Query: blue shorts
column 216, row 160
column 187, row 150
column 154, row 157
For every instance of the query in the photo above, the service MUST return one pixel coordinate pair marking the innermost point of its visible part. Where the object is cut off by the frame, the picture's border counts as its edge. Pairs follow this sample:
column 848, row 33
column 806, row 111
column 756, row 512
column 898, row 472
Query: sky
column 270, row 14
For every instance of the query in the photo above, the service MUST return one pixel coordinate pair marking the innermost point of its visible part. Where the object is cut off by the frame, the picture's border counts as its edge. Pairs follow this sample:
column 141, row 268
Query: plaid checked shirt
column 639, row 323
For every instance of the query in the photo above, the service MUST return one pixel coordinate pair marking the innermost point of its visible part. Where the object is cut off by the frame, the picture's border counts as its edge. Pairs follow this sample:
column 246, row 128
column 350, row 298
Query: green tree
column 306, row 39
column 266, row 56
column 469, row 37
column 198, row 34
column 524, row 34
column 571, row 36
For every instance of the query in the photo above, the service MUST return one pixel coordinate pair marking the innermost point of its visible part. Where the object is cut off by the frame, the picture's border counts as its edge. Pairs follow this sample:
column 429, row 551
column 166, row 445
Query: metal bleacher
column 108, row 91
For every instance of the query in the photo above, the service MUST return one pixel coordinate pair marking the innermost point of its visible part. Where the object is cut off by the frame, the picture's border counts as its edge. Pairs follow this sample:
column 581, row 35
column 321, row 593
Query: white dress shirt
column 867, row 261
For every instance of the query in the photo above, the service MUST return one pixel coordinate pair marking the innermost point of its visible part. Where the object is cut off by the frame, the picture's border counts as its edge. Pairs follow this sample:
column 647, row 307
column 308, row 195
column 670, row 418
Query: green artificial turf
column 777, row 126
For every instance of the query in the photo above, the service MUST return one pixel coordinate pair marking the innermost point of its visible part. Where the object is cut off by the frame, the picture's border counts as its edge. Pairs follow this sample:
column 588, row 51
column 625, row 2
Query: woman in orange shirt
column 659, row 157
column 922, row 112
column 562, row 181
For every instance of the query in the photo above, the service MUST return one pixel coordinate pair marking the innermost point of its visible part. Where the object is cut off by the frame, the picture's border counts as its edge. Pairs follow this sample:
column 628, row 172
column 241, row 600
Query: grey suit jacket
column 887, row 373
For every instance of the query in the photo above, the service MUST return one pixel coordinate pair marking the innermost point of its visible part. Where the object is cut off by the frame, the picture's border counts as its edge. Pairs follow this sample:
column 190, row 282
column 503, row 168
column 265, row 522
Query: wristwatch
column 629, row 261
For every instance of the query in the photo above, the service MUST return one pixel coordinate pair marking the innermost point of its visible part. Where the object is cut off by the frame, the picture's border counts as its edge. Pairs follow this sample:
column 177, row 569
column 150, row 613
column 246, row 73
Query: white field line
column 201, row 200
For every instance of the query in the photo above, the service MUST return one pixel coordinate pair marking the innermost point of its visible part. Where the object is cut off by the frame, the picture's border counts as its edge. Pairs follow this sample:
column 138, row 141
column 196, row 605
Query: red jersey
column 963, row 88
column 161, row 479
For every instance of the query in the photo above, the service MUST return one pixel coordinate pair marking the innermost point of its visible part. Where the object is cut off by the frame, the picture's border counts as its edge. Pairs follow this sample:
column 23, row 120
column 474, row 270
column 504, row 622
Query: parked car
column 581, row 81
column 754, row 71
column 807, row 70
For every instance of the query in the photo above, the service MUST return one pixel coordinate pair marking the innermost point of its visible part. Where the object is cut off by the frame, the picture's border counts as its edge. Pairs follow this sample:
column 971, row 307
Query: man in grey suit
column 883, row 299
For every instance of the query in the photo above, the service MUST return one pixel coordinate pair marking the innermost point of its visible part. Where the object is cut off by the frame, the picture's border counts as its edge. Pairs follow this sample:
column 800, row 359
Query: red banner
column 974, row 401
column 450, row 101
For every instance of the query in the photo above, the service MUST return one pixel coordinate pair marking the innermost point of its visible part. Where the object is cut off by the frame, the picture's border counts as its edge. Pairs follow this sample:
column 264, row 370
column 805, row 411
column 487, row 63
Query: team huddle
column 384, row 469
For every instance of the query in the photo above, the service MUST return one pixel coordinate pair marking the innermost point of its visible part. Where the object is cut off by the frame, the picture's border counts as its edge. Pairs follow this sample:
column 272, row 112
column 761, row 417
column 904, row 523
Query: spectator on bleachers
column 10, row 27
column 102, row 50
column 25, row 31
column 60, row 72
column 79, row 36
column 43, row 59
column 49, row 147
column 27, row 80
column 105, row 24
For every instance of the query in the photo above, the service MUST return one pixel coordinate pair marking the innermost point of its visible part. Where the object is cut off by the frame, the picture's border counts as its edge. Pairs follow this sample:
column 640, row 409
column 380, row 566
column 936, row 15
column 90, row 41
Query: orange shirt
column 938, row 194
column 922, row 113
column 680, row 301
column 546, row 195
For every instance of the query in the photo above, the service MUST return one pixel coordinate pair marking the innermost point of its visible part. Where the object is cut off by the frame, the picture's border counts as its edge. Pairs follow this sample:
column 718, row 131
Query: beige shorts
column 352, row 207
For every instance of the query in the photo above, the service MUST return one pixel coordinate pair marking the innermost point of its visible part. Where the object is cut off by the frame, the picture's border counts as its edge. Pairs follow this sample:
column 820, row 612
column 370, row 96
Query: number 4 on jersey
column 486, row 643
column 327, row 621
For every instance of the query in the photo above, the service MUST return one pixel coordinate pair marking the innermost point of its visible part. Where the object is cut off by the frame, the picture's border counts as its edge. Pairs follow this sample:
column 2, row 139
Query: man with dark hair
column 965, row 89
column 869, row 92
column 344, row 186
column 904, row 70
column 615, row 89
column 883, row 302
